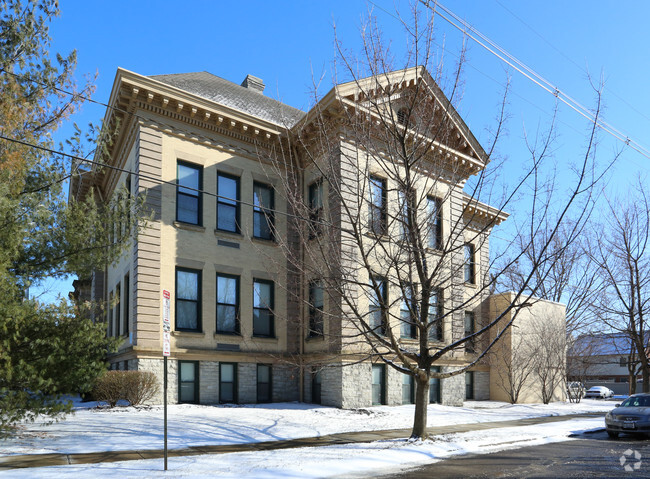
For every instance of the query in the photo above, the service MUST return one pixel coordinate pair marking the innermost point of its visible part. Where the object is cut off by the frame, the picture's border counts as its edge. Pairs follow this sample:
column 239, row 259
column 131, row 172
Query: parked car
column 632, row 416
column 575, row 390
column 599, row 392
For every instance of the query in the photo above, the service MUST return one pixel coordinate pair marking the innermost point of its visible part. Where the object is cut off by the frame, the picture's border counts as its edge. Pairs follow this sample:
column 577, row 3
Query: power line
column 147, row 177
column 569, row 59
column 531, row 74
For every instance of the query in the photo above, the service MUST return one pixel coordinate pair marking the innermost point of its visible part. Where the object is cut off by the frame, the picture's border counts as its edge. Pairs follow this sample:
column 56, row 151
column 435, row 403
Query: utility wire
column 529, row 73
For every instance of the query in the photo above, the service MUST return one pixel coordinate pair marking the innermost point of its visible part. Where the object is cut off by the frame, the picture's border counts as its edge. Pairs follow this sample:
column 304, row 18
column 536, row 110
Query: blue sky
column 286, row 42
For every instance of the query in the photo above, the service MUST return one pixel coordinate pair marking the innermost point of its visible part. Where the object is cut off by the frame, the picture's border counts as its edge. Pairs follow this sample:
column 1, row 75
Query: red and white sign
column 167, row 325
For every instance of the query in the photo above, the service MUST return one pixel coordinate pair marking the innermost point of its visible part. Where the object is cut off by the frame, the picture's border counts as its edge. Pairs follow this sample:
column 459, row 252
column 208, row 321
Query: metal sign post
column 166, row 351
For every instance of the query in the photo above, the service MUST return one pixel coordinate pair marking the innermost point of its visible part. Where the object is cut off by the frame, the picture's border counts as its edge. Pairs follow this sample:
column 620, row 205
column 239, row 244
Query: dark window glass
column 469, row 266
column 110, row 314
column 408, row 396
column 469, row 329
column 228, row 203
column 469, row 385
column 127, row 304
column 264, row 385
column 263, row 308
column 227, row 304
column 227, row 382
column 378, row 384
column 315, row 208
column 118, row 310
column 316, row 379
column 315, row 308
column 188, row 198
column 263, row 218
column 377, row 316
column 402, row 114
column 188, row 382
column 407, row 312
column 434, row 387
column 377, row 205
column 434, row 206
column 435, row 316
column 188, row 299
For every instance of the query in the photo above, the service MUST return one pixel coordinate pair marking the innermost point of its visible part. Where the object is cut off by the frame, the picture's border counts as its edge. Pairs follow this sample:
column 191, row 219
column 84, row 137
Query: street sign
column 167, row 325
column 166, row 344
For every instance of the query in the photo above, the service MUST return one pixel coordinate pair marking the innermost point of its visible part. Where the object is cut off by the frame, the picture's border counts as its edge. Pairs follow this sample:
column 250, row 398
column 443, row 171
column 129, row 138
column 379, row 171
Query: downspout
column 301, row 182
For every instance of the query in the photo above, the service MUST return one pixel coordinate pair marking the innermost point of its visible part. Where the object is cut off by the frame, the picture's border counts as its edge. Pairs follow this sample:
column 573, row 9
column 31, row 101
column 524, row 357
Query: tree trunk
column 632, row 384
column 421, row 404
column 646, row 379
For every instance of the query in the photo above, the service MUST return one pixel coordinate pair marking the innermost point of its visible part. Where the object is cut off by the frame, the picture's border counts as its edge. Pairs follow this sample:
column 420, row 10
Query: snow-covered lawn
column 93, row 430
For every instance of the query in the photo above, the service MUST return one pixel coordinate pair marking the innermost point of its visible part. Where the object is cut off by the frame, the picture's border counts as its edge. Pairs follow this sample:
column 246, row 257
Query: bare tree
column 514, row 363
column 550, row 359
column 621, row 251
column 388, row 254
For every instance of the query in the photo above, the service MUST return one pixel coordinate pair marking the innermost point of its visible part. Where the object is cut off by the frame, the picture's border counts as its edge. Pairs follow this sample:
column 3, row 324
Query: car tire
column 612, row 434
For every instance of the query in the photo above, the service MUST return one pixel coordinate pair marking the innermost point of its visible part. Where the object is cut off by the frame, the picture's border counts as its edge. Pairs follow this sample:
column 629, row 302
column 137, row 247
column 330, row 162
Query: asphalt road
column 592, row 455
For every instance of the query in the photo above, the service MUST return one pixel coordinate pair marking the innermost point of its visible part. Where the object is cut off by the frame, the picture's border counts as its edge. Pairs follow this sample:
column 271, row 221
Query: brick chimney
column 253, row 83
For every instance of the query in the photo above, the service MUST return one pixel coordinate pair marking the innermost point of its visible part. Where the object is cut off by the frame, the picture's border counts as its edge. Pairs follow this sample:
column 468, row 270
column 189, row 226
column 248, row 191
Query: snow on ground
column 122, row 428
column 352, row 460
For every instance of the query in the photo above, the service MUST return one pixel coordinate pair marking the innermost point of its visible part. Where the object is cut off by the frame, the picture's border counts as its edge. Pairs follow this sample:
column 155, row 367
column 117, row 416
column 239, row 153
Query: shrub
column 135, row 387
column 140, row 386
column 108, row 388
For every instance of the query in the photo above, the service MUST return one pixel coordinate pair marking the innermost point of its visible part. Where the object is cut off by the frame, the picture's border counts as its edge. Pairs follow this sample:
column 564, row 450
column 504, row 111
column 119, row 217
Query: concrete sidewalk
column 42, row 460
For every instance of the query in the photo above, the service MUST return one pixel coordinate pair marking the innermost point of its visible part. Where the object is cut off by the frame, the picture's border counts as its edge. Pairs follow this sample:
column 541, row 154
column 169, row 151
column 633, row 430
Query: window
column 127, row 186
column 263, row 219
column 316, row 380
column 110, row 314
column 378, row 384
column 469, row 266
column 227, row 203
column 623, row 361
column 377, row 317
column 315, row 308
column 407, row 312
column 402, row 115
column 227, row 304
column 315, row 208
column 188, row 196
column 434, row 212
column 404, row 214
column 435, row 316
column 127, row 304
column 434, row 387
column 118, row 310
column 377, row 205
column 188, row 300
column 408, row 396
column 263, row 308
column 470, row 346
column 469, row 385
column 227, row 382
column 188, row 381
column 264, row 383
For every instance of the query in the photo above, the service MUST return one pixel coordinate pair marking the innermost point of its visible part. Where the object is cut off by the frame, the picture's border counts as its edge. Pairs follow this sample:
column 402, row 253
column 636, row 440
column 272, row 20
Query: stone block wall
column 209, row 382
column 156, row 366
column 331, row 386
column 356, row 386
column 285, row 383
column 393, row 387
column 481, row 385
column 247, row 379
column 453, row 389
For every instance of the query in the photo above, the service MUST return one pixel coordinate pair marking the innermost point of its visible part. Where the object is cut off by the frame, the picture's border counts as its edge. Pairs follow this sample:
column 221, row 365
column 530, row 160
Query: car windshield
column 636, row 402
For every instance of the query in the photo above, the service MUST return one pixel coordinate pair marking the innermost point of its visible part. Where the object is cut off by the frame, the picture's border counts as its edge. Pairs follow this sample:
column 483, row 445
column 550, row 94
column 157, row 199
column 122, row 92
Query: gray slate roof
column 245, row 100
column 602, row 344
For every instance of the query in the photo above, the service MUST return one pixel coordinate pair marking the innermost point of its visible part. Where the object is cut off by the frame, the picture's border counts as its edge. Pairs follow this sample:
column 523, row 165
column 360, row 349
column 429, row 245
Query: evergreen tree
column 49, row 350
